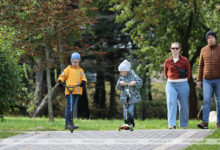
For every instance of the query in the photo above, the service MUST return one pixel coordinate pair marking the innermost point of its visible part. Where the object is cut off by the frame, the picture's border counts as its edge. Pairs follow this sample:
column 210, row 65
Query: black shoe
column 202, row 125
column 74, row 127
column 68, row 126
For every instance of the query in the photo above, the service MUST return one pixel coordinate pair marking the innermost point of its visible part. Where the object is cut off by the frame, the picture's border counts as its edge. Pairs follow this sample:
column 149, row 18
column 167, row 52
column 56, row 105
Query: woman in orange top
column 177, row 72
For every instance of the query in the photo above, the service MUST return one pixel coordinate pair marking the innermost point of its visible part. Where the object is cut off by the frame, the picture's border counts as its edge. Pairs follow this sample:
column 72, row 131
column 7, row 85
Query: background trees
column 48, row 31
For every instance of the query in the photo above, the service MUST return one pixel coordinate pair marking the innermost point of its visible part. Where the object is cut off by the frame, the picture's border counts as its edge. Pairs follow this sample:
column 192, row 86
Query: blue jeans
column 130, row 115
column 177, row 92
column 210, row 86
column 68, row 119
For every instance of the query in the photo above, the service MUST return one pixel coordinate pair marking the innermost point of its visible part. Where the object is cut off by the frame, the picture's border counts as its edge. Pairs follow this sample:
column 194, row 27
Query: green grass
column 6, row 134
column 215, row 135
column 43, row 124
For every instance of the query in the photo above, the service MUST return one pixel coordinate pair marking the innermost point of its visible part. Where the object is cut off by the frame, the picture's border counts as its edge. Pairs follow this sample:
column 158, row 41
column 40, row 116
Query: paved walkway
column 105, row 140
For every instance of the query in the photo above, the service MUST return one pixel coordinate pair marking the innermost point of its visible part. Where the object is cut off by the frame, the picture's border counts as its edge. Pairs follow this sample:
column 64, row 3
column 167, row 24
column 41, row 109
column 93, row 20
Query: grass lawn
column 43, row 124
column 10, row 125
column 213, row 136
column 5, row 134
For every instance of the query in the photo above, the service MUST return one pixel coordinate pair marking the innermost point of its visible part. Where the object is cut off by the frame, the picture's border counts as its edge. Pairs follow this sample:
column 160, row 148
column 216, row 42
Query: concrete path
column 105, row 140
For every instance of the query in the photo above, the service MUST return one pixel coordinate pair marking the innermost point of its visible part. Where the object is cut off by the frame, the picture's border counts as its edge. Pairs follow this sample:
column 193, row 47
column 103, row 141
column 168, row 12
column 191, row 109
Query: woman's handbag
column 182, row 73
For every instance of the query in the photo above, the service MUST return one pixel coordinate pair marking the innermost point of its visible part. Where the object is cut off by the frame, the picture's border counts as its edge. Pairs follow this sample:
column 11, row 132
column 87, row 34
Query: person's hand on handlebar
column 83, row 83
column 60, row 84
column 132, row 83
column 122, row 83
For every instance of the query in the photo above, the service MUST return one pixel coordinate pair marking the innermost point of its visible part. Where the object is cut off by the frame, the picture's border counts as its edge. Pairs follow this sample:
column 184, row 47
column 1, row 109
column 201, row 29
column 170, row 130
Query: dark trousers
column 68, row 119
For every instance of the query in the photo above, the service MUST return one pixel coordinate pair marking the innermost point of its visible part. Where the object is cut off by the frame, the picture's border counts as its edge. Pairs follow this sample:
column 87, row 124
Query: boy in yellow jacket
column 73, row 75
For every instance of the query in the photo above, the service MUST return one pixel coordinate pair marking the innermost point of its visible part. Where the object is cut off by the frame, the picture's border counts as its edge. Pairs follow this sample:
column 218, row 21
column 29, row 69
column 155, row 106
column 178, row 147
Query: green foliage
column 156, row 109
column 10, row 77
column 154, row 25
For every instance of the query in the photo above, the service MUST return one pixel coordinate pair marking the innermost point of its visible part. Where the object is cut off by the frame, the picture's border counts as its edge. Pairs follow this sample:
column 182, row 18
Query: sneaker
column 75, row 127
column 172, row 127
column 202, row 125
column 68, row 126
column 217, row 125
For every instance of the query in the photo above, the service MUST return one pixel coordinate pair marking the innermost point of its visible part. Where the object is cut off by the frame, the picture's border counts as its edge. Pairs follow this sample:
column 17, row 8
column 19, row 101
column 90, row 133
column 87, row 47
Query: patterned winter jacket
column 133, row 90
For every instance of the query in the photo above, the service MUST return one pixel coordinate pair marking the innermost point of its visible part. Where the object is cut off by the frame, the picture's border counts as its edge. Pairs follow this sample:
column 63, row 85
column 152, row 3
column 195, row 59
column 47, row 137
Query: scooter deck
column 125, row 127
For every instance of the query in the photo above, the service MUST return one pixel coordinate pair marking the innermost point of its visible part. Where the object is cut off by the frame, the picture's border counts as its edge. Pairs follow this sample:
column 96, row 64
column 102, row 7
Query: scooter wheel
column 131, row 128
column 71, row 131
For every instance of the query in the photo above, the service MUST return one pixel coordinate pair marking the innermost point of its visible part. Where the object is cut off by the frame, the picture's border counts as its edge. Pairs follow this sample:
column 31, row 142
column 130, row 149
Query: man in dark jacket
column 209, row 75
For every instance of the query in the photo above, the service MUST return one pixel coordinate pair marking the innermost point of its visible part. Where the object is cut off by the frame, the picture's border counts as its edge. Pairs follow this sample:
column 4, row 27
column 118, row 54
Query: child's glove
column 60, row 84
column 83, row 83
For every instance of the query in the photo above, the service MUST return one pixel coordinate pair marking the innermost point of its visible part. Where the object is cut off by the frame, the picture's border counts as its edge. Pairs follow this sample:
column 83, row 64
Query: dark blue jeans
column 68, row 118
column 130, row 115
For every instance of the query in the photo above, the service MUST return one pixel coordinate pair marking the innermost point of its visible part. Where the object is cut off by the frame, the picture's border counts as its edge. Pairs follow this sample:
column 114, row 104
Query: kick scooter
column 71, row 89
column 126, row 126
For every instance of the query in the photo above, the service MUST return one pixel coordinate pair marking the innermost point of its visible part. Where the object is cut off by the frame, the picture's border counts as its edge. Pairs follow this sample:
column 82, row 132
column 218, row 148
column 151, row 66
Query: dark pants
column 68, row 118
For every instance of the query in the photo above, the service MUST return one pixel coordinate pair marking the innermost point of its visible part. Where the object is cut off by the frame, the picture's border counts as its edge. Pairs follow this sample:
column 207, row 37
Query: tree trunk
column 62, row 50
column 38, row 85
column 112, row 108
column 193, row 105
column 49, row 88
column 185, row 46
column 141, row 107
column 100, row 97
column 44, row 103
column 150, row 98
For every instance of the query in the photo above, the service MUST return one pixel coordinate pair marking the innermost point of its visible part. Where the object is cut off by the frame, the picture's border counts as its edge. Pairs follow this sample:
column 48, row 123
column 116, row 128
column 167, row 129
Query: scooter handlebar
column 71, row 87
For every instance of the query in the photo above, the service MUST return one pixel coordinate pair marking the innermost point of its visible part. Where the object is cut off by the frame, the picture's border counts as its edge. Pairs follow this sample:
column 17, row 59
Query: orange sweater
column 171, row 72
column 209, row 63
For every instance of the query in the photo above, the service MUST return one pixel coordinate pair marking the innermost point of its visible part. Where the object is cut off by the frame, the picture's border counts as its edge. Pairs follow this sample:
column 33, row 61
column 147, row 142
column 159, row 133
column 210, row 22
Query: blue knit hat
column 75, row 56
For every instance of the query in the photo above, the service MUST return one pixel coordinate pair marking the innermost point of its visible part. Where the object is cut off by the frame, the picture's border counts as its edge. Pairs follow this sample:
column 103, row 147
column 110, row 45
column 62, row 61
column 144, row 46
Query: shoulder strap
column 173, row 64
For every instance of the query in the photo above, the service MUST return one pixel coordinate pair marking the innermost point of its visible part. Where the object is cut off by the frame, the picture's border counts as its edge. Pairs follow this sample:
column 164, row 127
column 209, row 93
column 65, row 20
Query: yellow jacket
column 73, row 76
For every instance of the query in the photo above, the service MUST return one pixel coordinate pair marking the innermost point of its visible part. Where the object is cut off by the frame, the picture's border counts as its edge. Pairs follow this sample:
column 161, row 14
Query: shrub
column 10, row 77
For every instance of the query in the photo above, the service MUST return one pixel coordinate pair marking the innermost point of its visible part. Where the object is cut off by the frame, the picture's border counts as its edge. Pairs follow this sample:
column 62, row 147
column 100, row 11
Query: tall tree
column 41, row 23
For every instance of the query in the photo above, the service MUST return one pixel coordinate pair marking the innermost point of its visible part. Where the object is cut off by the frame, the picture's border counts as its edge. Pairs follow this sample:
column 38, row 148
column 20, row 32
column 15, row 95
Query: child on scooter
column 129, row 83
column 73, row 75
